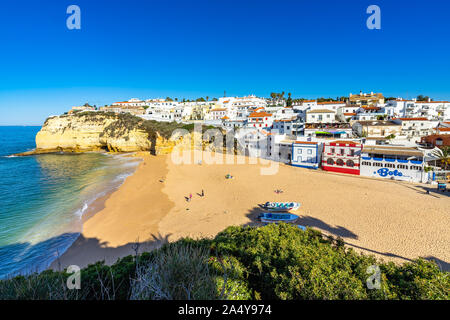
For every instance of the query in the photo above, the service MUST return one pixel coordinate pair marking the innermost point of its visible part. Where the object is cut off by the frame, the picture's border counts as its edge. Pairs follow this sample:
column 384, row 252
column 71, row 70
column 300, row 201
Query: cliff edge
column 105, row 131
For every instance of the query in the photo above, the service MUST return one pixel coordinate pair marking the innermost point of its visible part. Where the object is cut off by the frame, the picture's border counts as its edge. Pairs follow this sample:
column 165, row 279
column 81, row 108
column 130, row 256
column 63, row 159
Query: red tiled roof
column 259, row 114
column 432, row 102
column 412, row 119
column 331, row 102
column 345, row 142
column 432, row 139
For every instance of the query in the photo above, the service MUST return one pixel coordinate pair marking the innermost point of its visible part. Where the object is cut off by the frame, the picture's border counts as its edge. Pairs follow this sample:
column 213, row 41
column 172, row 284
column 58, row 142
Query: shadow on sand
column 306, row 221
column 25, row 258
column 340, row 231
column 428, row 190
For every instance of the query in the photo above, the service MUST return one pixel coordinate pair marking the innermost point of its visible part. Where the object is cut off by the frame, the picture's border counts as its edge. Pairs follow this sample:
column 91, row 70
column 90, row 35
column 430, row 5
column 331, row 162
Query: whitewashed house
column 320, row 116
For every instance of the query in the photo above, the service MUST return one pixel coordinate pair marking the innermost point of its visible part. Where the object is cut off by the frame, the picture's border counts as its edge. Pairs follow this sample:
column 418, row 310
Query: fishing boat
column 281, row 206
column 270, row 217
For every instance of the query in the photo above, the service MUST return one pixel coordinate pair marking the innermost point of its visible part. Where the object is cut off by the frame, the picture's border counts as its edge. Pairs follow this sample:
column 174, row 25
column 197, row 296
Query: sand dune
column 394, row 220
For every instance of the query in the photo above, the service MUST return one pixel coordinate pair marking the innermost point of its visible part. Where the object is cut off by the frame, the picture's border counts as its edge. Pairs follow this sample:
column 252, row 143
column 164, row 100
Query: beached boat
column 270, row 217
column 281, row 206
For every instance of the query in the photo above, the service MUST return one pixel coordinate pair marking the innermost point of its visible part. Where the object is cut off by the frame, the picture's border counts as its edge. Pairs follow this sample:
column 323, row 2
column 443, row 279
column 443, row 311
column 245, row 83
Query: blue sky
column 193, row 48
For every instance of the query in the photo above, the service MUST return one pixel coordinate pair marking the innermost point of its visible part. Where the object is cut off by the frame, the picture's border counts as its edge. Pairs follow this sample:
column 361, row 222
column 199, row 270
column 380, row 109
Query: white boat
column 282, row 206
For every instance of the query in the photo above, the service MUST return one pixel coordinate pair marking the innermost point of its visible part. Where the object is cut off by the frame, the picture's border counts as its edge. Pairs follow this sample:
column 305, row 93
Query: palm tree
column 289, row 100
column 273, row 95
column 443, row 155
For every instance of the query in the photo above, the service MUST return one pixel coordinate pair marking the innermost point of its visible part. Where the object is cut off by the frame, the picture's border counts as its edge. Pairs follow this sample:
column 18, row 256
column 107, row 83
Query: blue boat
column 269, row 217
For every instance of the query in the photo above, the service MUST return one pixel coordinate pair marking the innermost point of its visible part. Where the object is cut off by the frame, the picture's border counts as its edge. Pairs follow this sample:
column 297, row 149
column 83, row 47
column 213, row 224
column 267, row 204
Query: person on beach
column 203, row 193
column 190, row 197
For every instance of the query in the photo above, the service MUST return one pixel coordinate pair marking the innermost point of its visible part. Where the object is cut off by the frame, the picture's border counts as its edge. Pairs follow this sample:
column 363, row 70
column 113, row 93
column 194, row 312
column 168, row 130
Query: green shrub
column 271, row 262
column 177, row 272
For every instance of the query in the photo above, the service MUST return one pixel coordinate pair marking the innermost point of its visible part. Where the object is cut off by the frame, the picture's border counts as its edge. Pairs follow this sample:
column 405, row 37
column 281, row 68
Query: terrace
column 397, row 154
column 341, row 125
column 328, row 130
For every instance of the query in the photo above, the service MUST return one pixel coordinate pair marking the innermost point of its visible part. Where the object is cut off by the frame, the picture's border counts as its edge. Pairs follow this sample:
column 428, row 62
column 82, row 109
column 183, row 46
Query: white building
column 397, row 108
column 415, row 128
column 320, row 116
column 217, row 113
column 330, row 105
column 260, row 120
column 393, row 162
column 130, row 103
column 432, row 110
column 291, row 127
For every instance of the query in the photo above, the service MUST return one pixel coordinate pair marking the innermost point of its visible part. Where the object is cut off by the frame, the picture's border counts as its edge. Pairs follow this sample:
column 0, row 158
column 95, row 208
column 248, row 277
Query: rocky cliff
column 99, row 131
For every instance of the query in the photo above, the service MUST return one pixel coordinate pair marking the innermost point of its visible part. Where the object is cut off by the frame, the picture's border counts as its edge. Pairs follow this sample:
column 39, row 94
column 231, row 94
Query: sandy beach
column 393, row 220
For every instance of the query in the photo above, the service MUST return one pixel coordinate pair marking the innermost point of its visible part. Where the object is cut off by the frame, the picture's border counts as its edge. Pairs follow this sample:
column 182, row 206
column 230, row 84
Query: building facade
column 306, row 154
column 392, row 162
column 342, row 156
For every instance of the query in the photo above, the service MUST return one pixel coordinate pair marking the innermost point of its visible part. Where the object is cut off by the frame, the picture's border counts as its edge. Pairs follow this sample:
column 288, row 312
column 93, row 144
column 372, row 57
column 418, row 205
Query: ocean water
column 43, row 197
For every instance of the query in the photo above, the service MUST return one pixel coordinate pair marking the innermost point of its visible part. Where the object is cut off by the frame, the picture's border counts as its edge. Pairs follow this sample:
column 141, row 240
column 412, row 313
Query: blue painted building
column 306, row 154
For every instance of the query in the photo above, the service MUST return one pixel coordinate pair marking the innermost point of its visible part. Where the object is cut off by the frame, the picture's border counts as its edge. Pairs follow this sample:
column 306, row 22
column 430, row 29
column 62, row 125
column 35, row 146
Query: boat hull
column 282, row 217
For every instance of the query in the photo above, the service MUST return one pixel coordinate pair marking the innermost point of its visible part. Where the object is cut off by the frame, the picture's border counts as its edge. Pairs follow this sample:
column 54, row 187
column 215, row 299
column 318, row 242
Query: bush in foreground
column 271, row 262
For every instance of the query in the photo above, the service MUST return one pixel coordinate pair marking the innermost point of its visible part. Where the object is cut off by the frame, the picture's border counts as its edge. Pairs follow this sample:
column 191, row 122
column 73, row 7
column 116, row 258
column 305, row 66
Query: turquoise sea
column 42, row 198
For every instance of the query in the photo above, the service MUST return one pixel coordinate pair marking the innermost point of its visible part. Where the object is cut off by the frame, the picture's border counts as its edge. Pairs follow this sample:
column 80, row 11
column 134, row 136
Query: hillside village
column 362, row 134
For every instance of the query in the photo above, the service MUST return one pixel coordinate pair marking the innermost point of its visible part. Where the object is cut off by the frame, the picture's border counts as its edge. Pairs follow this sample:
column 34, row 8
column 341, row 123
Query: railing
column 392, row 160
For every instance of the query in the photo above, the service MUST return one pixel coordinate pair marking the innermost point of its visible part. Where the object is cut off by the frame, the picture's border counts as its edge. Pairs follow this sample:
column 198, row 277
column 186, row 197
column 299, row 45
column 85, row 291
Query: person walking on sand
column 203, row 193
column 190, row 197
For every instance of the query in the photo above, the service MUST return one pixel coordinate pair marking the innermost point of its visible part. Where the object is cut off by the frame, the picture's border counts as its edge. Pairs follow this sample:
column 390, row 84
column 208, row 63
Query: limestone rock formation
column 99, row 131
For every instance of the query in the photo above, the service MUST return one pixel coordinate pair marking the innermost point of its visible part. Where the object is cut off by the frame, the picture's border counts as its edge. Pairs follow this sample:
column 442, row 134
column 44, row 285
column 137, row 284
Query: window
column 332, row 150
column 416, row 168
column 352, row 153
column 389, row 165
column 377, row 164
column 299, row 151
column 309, row 151
column 350, row 163
column 402, row 166
column 340, row 162
column 342, row 152
column 366, row 163
column 330, row 161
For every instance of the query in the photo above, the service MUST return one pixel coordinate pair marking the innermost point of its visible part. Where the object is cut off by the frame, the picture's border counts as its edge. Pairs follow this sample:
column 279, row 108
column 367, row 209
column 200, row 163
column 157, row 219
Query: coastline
column 145, row 210
column 88, row 247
